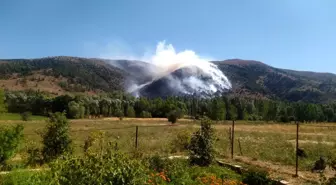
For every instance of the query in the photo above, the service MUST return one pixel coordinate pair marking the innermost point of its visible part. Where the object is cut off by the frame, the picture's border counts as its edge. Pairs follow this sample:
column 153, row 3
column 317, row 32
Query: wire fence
column 297, row 145
column 303, row 146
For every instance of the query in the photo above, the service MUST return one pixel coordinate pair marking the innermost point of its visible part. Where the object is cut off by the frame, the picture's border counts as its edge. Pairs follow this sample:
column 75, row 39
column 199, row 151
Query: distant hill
column 249, row 78
column 256, row 78
column 61, row 74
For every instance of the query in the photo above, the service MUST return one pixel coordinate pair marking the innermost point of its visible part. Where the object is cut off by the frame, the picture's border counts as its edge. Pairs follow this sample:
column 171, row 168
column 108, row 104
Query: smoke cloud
column 198, row 76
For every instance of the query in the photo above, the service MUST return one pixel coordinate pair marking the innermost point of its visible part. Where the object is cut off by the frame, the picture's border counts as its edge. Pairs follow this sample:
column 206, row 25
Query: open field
column 261, row 144
column 17, row 117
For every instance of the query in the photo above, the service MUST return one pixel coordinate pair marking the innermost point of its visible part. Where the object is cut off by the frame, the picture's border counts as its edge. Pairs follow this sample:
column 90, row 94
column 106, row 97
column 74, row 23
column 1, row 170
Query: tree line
column 119, row 104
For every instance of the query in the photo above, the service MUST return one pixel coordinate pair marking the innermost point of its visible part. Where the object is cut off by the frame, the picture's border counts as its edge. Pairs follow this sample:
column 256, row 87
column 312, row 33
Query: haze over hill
column 248, row 78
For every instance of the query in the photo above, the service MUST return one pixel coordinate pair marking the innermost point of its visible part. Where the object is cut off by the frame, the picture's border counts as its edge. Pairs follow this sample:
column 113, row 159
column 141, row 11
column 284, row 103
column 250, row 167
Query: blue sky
column 295, row 34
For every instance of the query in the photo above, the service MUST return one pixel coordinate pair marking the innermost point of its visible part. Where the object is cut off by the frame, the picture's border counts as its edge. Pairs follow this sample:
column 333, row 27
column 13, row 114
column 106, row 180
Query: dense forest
column 119, row 104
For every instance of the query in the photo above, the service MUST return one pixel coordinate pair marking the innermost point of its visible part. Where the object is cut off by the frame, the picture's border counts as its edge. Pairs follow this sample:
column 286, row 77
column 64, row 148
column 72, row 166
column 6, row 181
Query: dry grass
column 36, row 81
column 260, row 142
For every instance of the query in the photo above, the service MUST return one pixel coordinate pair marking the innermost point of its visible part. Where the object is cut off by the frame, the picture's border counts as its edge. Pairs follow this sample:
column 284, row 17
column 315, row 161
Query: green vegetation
column 56, row 140
column 257, row 177
column 17, row 116
column 201, row 151
column 122, row 105
column 10, row 139
column 172, row 117
column 104, row 164
column 262, row 142
column 82, row 74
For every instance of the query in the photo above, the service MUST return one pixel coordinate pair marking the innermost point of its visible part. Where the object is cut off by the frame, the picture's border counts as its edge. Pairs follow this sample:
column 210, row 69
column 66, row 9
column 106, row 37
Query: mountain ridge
column 248, row 77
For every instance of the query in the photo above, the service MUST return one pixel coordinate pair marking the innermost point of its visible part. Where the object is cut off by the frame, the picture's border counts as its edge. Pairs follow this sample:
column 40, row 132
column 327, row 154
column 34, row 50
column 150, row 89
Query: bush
column 181, row 141
column 34, row 157
column 201, row 150
column 56, row 139
column 172, row 117
column 10, row 139
column 157, row 163
column 25, row 178
column 26, row 116
column 257, row 178
column 106, row 168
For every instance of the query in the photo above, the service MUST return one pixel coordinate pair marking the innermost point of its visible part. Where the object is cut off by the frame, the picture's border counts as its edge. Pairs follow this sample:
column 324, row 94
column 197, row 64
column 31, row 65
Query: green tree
column 130, row 112
column 218, row 111
column 145, row 114
column 56, row 139
column 173, row 116
column 3, row 106
column 233, row 112
column 201, row 150
column 10, row 139
column 26, row 116
column 76, row 110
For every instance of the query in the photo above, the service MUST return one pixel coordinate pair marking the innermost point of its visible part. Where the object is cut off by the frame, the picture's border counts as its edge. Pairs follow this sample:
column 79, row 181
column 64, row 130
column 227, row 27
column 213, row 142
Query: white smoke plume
column 167, row 60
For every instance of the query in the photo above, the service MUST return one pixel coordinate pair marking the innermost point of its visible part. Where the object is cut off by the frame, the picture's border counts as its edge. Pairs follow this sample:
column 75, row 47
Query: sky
column 292, row 34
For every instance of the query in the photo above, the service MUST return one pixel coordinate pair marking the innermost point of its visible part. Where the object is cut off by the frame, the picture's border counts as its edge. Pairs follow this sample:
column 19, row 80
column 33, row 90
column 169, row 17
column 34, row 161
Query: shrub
column 201, row 150
column 181, row 141
column 256, row 177
column 157, row 163
column 25, row 178
column 172, row 117
column 94, row 142
column 56, row 140
column 10, row 139
column 26, row 116
column 106, row 168
column 34, row 157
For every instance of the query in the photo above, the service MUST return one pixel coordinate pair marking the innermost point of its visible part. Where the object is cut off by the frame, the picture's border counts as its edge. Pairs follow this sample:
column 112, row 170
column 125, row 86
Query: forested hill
column 253, row 78
column 62, row 74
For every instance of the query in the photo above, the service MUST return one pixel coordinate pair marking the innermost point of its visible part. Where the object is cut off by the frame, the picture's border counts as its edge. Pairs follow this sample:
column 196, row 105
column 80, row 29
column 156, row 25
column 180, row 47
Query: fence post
column 136, row 137
column 240, row 149
column 297, row 148
column 232, row 138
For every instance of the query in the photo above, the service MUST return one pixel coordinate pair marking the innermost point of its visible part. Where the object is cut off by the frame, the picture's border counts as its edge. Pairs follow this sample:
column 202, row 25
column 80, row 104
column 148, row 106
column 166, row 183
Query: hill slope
column 252, row 77
column 61, row 74
column 249, row 78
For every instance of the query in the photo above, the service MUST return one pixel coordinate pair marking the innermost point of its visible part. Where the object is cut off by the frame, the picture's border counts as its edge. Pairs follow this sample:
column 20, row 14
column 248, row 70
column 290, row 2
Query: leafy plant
column 181, row 141
column 10, row 139
column 34, row 156
column 56, row 139
column 25, row 178
column 157, row 163
column 201, row 150
column 172, row 117
column 26, row 116
column 257, row 177
column 98, row 168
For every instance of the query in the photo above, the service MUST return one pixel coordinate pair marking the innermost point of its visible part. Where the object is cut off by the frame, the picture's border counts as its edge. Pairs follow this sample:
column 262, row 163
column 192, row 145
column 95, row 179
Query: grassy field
column 274, row 143
column 16, row 117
